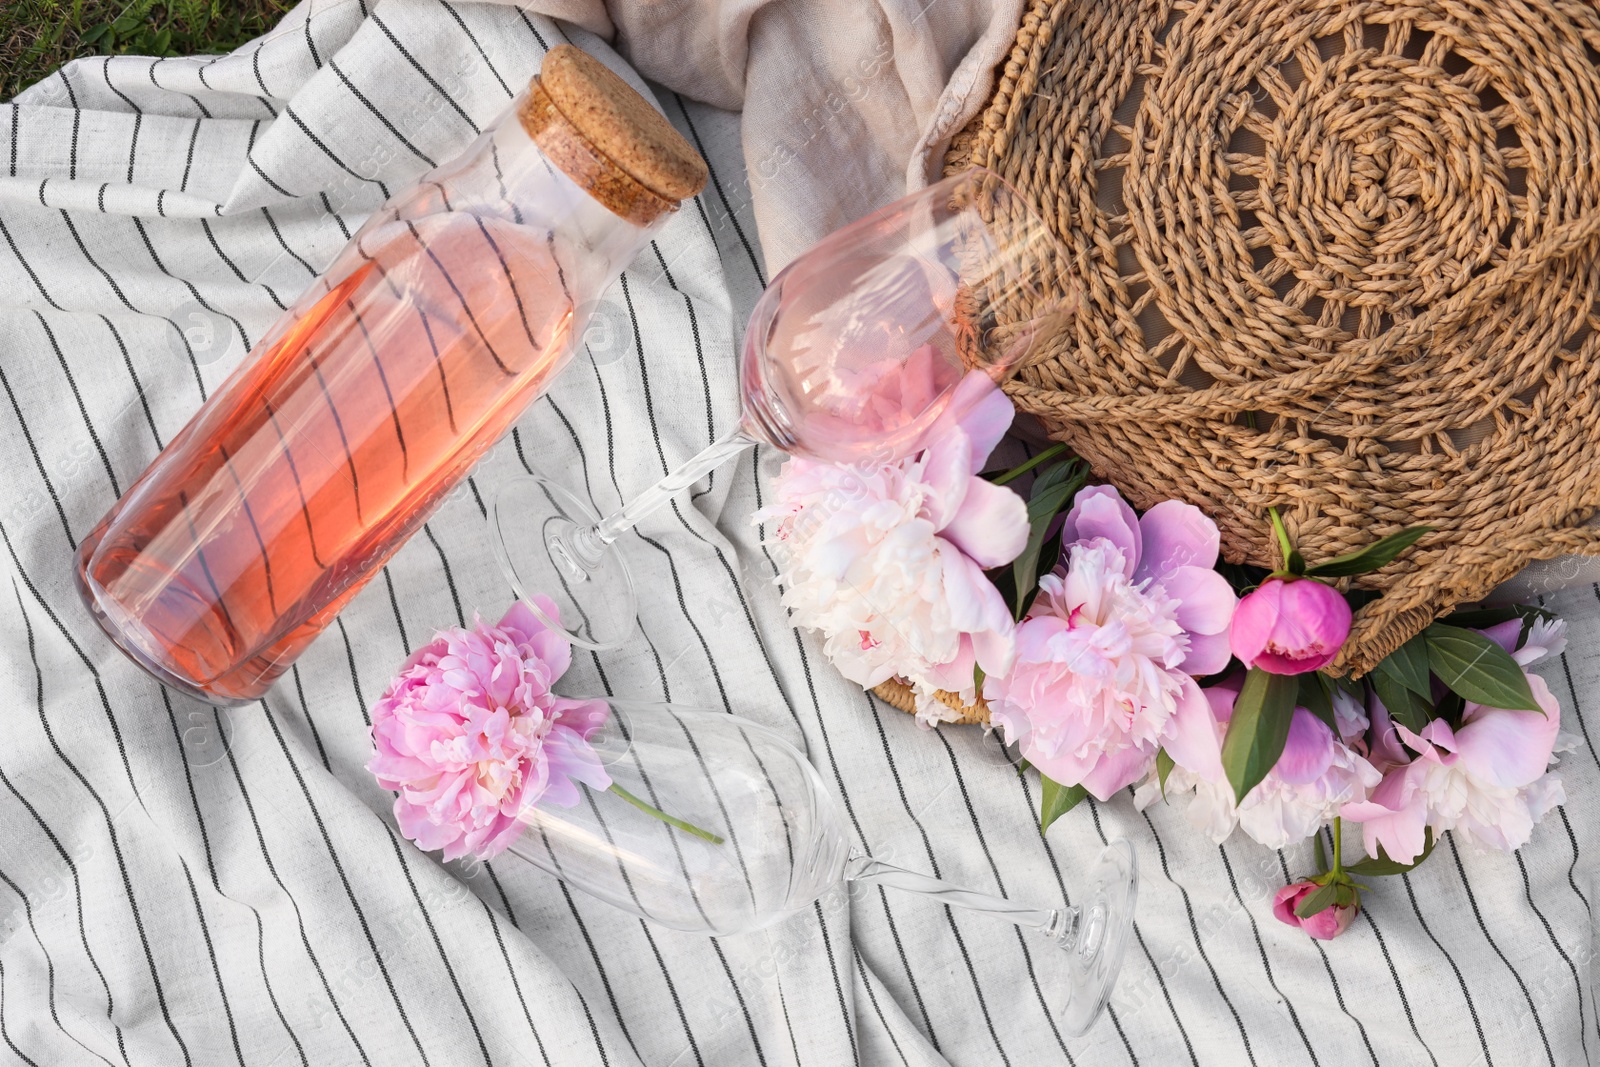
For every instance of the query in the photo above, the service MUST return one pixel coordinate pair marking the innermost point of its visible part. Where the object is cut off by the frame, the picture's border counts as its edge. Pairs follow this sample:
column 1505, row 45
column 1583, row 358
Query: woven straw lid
column 608, row 138
column 1335, row 256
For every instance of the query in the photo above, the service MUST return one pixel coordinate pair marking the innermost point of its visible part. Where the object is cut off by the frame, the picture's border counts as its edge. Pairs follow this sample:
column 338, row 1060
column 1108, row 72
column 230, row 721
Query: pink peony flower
column 471, row 736
column 1290, row 626
column 1325, row 925
column 1107, row 657
column 1315, row 775
column 887, row 561
column 1487, row 780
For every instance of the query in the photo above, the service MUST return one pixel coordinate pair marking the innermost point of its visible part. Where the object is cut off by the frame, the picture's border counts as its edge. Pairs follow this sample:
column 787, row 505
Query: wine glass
column 755, row 837
column 852, row 352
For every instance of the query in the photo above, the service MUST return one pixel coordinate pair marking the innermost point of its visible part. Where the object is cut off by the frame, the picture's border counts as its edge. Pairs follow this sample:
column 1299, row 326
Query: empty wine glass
column 852, row 352
column 757, row 838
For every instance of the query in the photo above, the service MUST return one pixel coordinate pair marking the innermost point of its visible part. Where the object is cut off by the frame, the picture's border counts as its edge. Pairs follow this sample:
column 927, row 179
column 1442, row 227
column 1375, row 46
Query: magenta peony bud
column 1325, row 925
column 1290, row 626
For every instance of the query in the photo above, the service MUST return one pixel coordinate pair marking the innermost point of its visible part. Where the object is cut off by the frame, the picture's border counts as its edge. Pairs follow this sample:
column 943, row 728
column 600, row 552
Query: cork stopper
column 608, row 138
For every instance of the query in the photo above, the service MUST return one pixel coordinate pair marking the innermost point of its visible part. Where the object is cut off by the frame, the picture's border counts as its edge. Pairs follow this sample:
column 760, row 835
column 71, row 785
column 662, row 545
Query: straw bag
column 1336, row 256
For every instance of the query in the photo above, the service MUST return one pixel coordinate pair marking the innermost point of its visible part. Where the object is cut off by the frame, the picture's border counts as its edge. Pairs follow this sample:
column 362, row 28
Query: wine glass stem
column 590, row 543
column 1059, row 925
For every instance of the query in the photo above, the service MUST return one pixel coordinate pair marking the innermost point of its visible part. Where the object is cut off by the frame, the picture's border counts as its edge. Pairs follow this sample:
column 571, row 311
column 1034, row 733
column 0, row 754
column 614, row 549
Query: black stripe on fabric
column 344, row 880
column 328, row 207
column 1472, row 902
column 300, row 124
column 481, row 53
column 33, row 449
column 427, row 920
column 511, row 282
column 311, row 45
column 838, row 986
column 255, row 528
column 861, row 969
column 255, row 66
column 211, row 952
column 77, row 117
column 594, row 953
column 77, row 884
column 399, row 621
column 700, row 358
column 138, row 118
column 783, row 1004
column 299, row 919
column 1194, row 929
column 1577, row 707
column 516, row 986
column 150, row 248
column 194, row 135
column 1000, row 885
column 1472, row 1009
column 355, row 678
column 738, row 995
column 83, row 411
column 4, row 1032
column 672, row 992
column 1527, row 889
column 537, row 36
column 195, row 100
column 1400, row 990
column 16, row 121
column 105, row 812
column 449, row 578
column 1266, row 964
column 138, row 386
column 933, row 862
column 311, row 722
column 1561, row 810
column 26, row 266
column 1338, row 994
column 379, row 115
column 250, row 154
column 1111, row 1009
column 716, row 183
column 600, row 1047
column 420, row 69
column 205, row 568
column 49, row 969
column 112, row 282
column 216, row 886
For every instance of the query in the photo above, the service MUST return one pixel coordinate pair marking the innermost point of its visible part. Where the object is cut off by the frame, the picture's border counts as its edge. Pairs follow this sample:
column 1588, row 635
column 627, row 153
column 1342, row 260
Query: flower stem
column 670, row 820
column 1016, row 472
column 1338, row 845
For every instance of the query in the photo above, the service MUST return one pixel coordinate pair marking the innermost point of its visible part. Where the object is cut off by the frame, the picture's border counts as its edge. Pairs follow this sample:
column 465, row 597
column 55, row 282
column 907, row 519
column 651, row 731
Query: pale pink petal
column 991, row 526
column 1308, row 750
column 1176, row 534
column 1192, row 738
column 978, row 407
column 1100, row 511
column 1510, row 748
column 1208, row 654
column 1394, row 816
column 1205, row 599
column 946, row 474
column 1116, row 771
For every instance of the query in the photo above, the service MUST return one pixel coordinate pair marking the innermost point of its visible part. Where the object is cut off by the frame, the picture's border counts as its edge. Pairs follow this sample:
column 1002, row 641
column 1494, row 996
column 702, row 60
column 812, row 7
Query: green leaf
column 1051, row 491
column 1056, row 800
column 1380, row 865
column 1322, row 853
column 1320, row 900
column 1477, row 668
column 1408, row 665
column 1293, row 562
column 1405, row 707
column 1483, row 618
column 977, row 678
column 1380, row 553
column 1354, row 688
column 1316, row 696
column 1258, row 729
column 1164, row 767
column 1003, row 477
column 95, row 34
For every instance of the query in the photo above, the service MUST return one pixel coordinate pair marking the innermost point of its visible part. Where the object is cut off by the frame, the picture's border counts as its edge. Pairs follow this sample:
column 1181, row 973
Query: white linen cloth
column 180, row 885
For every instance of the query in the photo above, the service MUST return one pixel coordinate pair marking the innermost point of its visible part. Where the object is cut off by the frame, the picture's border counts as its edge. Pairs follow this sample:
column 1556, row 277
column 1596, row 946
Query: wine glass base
column 1104, row 923
column 536, row 526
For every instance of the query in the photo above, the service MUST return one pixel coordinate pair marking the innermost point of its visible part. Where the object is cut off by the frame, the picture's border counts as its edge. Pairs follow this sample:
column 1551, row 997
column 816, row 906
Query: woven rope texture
column 1339, row 257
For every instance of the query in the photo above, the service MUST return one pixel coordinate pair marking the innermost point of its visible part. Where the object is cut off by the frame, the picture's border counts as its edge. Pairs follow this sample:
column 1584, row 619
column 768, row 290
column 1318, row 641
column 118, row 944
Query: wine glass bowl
column 717, row 825
column 852, row 353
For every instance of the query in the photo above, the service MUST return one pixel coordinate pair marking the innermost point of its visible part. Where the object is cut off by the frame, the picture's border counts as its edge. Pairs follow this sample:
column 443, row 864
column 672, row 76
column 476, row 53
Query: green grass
column 37, row 36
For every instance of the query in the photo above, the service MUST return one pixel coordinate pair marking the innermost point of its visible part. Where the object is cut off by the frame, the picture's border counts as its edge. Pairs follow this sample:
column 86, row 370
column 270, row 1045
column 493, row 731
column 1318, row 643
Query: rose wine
column 322, row 455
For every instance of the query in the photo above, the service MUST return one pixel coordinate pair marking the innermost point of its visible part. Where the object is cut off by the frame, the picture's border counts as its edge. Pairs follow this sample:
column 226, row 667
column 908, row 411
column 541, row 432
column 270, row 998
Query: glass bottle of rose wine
column 451, row 309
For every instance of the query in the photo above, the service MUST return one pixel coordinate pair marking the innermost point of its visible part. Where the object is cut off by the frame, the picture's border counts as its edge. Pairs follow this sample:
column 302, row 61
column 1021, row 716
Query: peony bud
column 1290, row 626
column 1326, row 924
